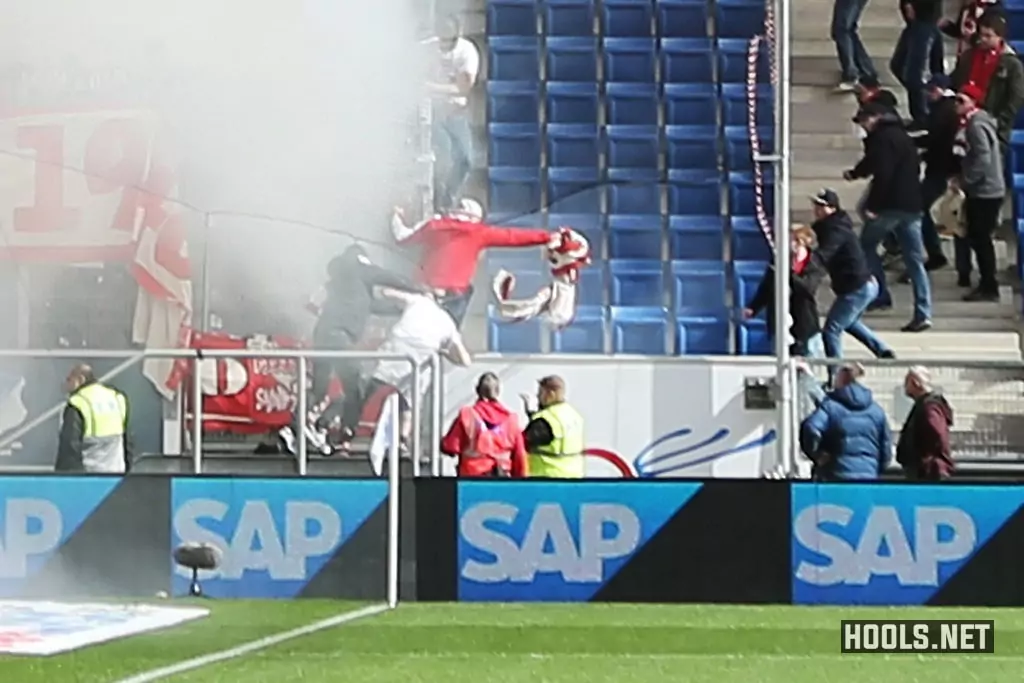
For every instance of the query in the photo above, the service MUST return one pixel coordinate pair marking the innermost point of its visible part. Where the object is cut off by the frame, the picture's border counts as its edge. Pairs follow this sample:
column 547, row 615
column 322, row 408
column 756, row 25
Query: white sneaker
column 846, row 86
column 287, row 436
column 317, row 439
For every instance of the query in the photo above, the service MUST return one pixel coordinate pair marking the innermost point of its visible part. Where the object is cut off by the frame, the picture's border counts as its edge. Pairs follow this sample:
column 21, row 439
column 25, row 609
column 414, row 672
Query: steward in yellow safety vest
column 554, row 436
column 93, row 429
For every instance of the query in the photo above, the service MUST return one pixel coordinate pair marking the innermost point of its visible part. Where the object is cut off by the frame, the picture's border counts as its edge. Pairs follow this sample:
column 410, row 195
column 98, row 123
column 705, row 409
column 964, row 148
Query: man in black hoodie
column 841, row 255
column 342, row 322
column 893, row 205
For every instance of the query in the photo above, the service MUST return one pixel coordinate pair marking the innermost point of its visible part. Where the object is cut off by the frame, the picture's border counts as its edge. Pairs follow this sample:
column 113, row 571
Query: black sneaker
column 963, row 281
column 887, row 355
column 877, row 306
column 917, row 326
column 936, row 263
column 980, row 294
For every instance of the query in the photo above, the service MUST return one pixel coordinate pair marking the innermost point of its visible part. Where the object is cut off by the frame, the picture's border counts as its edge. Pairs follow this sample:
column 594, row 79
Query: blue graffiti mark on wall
column 648, row 464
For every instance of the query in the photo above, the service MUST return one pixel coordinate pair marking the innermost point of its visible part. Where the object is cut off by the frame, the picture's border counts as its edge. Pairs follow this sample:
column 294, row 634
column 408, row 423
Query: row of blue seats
column 685, row 286
column 641, row 147
column 626, row 104
column 633, row 330
column 516, row 191
column 623, row 60
column 624, row 18
column 700, row 238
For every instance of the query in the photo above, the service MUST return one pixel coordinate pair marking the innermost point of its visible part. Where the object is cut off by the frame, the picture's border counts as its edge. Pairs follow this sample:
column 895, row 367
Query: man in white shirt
column 423, row 329
column 452, row 136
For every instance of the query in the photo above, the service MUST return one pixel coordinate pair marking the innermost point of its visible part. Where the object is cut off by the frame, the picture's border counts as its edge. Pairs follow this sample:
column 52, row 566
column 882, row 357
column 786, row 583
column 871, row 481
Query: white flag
column 381, row 444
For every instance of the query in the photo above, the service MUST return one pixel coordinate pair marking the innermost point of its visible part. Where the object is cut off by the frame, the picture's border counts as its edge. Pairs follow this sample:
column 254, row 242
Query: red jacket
column 452, row 247
column 484, row 435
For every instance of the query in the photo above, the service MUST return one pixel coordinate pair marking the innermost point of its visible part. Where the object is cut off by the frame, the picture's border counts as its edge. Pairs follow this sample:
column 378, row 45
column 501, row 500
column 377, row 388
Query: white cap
column 471, row 209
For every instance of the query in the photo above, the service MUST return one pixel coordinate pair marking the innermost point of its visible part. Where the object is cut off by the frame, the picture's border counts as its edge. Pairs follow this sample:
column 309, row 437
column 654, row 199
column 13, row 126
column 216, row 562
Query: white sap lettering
column 19, row 543
column 548, row 546
column 883, row 549
column 474, row 530
column 274, row 399
column 807, row 532
column 256, row 544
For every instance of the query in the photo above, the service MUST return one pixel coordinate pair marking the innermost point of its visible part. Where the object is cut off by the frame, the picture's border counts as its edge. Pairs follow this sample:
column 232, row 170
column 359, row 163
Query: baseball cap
column 826, row 197
column 869, row 109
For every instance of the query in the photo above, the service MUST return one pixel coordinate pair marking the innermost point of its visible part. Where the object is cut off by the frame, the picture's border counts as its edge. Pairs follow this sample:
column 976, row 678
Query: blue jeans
column 909, row 62
column 853, row 58
column 809, row 391
column 907, row 227
column 844, row 316
column 453, row 150
column 932, row 188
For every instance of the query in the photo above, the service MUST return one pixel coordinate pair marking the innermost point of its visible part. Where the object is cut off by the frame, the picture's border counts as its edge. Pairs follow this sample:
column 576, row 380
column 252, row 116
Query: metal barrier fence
column 124, row 361
column 987, row 399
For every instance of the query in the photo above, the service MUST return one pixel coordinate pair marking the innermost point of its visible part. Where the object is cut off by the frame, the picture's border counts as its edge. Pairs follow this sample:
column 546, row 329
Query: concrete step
column 944, row 345
column 879, row 49
column 831, row 116
column 849, row 192
column 816, row 141
column 816, row 29
column 824, row 71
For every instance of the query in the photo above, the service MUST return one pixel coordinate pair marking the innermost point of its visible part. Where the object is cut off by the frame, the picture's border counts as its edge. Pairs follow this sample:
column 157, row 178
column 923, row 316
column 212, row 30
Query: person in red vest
column 486, row 437
column 452, row 244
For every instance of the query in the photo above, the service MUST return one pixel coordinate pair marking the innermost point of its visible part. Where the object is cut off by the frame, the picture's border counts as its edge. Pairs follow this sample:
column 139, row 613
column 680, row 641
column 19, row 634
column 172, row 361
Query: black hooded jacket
column 350, row 299
column 892, row 162
column 803, row 304
column 943, row 123
column 840, row 254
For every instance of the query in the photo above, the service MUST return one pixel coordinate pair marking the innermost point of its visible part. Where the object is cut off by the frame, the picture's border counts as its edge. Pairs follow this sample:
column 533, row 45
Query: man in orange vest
column 486, row 437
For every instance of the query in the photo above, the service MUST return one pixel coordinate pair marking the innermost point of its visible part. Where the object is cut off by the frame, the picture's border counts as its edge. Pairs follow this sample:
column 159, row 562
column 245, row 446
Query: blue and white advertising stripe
column 555, row 541
column 37, row 515
column 275, row 534
column 893, row 545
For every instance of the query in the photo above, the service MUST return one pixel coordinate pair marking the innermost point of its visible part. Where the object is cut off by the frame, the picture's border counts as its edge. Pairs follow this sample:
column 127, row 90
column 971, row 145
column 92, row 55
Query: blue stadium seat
column 748, row 242
column 739, row 18
column 574, row 190
column 513, row 144
column 1016, row 161
column 576, row 146
column 593, row 284
column 687, row 60
column 631, row 104
column 639, row 330
column 734, row 105
column 512, row 17
column 516, row 220
column 634, row 237
column 752, row 339
column 569, row 17
column 693, row 193
column 746, row 279
column 737, row 147
column 692, row 147
column 682, row 18
column 690, row 104
column 527, row 265
column 572, row 103
column 634, row 192
column 572, row 59
column 513, row 58
column 585, row 334
column 732, row 62
column 698, row 286
column 513, row 190
column 695, row 238
column 741, row 194
column 1015, row 21
column 633, row 146
column 628, row 18
column 629, row 60
column 636, row 283
column 506, row 337
column 702, row 335
column 513, row 102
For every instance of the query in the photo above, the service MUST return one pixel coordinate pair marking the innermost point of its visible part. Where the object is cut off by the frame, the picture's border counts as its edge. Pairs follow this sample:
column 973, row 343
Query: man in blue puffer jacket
column 848, row 436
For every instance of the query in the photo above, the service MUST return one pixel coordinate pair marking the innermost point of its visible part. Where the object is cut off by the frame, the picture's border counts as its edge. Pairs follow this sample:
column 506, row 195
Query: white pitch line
column 253, row 646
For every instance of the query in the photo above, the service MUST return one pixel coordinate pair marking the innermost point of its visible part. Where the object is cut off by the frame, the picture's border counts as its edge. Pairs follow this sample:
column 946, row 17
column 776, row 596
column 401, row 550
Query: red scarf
column 800, row 262
column 983, row 66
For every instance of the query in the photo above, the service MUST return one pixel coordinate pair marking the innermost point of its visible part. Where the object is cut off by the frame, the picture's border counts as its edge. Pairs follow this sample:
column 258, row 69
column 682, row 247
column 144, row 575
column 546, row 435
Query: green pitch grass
column 492, row 643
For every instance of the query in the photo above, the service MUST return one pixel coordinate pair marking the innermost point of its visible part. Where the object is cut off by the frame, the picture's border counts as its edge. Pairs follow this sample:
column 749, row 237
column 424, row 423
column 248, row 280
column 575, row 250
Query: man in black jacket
column 841, row 255
column 343, row 318
column 893, row 204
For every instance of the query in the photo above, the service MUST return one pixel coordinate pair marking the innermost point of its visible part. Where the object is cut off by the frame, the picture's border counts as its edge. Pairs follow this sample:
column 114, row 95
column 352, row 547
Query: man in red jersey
column 452, row 244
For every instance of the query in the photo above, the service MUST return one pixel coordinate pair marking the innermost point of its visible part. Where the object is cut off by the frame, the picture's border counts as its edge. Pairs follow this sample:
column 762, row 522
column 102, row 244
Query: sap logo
column 311, row 529
column 549, row 545
column 883, row 549
column 32, row 527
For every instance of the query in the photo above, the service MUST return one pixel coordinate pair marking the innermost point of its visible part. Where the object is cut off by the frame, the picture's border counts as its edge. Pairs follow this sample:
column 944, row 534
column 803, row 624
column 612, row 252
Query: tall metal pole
column 197, row 414
column 204, row 305
column 393, row 509
column 782, row 229
column 302, row 408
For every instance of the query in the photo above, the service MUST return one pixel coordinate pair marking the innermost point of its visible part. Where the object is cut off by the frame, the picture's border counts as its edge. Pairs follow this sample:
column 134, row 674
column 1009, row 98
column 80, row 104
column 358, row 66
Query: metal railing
column 302, row 358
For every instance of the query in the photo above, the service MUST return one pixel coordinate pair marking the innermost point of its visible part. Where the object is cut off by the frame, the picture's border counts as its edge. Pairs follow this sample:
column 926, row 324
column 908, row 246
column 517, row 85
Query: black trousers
column 982, row 220
column 348, row 372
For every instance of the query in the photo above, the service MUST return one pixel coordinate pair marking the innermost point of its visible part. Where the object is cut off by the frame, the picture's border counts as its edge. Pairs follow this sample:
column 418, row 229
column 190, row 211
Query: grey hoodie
column 981, row 174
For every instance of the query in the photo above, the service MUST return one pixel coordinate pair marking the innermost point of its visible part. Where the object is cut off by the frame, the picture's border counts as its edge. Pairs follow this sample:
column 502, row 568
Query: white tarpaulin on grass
column 29, row 627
